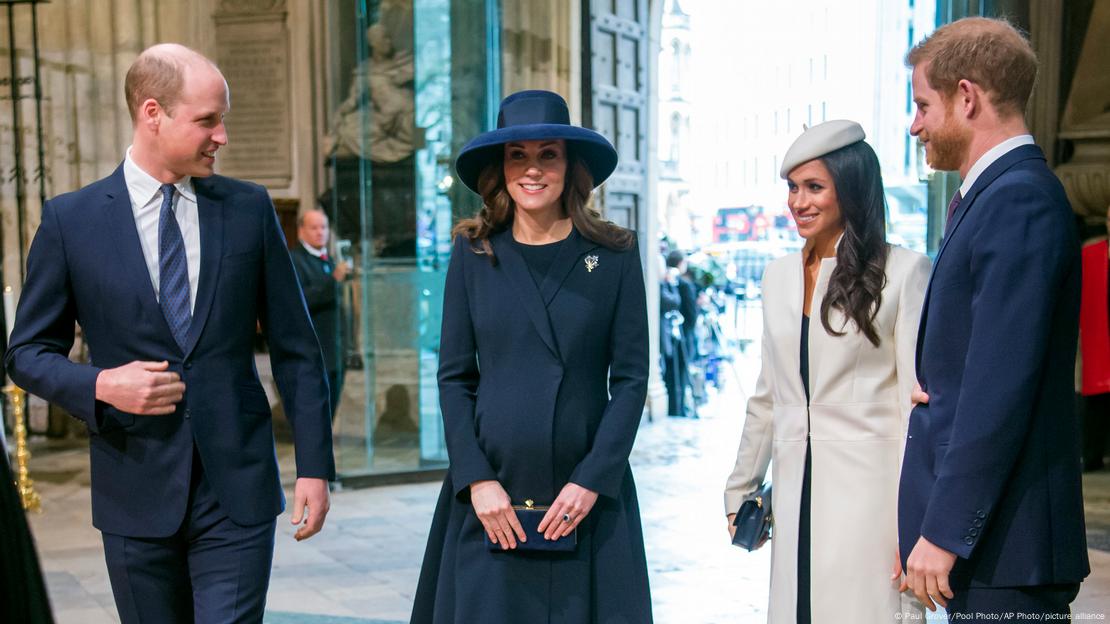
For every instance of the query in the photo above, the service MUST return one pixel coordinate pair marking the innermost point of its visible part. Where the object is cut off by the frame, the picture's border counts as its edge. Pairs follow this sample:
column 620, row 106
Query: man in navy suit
column 990, row 505
column 168, row 269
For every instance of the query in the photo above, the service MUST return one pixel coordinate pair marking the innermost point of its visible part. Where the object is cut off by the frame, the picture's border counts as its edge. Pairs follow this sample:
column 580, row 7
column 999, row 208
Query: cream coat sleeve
column 754, row 454
column 911, row 296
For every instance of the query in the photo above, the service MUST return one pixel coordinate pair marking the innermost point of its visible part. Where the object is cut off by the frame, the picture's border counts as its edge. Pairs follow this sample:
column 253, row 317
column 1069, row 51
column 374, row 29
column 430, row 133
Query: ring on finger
column 566, row 517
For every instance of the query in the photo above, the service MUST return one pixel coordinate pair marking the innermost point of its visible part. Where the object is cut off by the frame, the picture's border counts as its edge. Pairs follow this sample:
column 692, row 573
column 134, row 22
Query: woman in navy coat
column 542, row 380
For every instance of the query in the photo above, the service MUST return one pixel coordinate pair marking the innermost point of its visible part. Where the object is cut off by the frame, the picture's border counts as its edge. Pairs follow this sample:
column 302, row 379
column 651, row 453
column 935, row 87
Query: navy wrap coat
column 540, row 386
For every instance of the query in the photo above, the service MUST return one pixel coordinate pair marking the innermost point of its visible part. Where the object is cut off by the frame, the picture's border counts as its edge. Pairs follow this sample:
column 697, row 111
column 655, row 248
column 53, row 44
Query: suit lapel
column 989, row 175
column 524, row 286
column 121, row 222
column 210, row 215
column 566, row 259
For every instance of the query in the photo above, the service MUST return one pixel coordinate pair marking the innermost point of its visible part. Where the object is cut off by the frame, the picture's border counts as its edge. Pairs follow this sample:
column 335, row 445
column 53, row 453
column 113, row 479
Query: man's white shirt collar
column 312, row 250
column 142, row 186
column 993, row 154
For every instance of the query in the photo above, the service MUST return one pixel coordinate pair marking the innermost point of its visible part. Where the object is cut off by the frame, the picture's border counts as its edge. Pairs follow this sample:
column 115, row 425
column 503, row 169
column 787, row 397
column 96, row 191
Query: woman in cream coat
column 832, row 402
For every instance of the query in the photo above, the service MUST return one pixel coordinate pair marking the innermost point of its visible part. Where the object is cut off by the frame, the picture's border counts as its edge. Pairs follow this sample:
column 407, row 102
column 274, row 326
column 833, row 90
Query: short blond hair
column 988, row 52
column 159, row 73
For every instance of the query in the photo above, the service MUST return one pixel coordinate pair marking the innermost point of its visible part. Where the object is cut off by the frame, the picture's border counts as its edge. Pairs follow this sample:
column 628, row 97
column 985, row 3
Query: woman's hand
column 495, row 512
column 732, row 526
column 567, row 512
column 896, row 573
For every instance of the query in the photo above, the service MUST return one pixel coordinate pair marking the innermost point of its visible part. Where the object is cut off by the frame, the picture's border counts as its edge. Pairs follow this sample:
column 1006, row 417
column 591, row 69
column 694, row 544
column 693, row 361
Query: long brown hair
column 856, row 284
column 498, row 207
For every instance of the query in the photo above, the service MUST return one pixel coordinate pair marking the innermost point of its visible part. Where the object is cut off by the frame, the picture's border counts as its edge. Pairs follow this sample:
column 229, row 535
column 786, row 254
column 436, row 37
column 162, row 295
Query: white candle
column 9, row 311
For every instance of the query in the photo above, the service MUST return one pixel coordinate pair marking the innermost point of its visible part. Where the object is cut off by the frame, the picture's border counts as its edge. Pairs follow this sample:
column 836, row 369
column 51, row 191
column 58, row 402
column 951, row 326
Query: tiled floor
column 363, row 568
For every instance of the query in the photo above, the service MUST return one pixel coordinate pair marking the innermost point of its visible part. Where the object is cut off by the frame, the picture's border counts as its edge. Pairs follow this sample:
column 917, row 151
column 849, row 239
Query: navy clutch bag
column 530, row 515
column 754, row 520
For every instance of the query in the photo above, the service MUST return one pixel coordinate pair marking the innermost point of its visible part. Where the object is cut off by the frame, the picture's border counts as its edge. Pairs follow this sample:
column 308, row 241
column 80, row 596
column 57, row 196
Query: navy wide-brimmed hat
column 535, row 116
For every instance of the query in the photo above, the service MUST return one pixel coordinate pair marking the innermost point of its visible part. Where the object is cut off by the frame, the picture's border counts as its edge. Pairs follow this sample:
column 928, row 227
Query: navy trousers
column 211, row 570
column 1002, row 604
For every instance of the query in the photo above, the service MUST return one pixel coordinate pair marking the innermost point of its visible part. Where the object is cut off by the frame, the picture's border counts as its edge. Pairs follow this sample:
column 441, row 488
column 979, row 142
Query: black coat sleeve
column 458, row 379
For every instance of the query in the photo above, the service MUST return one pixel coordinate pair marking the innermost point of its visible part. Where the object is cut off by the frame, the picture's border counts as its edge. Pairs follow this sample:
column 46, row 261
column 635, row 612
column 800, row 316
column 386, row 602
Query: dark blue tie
column 173, row 270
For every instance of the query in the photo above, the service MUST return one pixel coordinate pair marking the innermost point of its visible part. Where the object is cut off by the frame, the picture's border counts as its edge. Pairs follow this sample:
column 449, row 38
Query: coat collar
column 989, row 175
column 536, row 299
column 121, row 223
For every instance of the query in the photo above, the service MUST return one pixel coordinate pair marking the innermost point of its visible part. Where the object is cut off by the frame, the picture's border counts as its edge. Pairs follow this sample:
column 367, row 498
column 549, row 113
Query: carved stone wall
column 85, row 48
column 1085, row 124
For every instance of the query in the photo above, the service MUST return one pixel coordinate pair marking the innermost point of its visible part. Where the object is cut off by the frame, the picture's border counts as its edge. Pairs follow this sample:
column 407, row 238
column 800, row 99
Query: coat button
column 969, row 540
column 973, row 532
column 978, row 522
column 980, row 514
column 187, row 413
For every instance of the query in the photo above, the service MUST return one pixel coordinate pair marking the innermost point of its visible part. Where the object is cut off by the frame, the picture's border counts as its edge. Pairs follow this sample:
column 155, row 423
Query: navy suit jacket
column 992, row 469
column 86, row 266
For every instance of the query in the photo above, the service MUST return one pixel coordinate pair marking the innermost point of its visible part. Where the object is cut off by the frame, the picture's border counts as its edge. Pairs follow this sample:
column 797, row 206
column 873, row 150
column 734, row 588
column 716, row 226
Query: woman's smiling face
column 535, row 172
column 812, row 200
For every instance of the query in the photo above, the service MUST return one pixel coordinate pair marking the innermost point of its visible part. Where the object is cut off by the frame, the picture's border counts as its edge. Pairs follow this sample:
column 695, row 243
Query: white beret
column 819, row 140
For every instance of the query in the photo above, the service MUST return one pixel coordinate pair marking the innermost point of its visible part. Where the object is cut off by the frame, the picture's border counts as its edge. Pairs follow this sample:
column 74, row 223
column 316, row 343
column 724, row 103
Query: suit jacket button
column 969, row 540
column 187, row 413
column 978, row 522
column 973, row 532
column 980, row 514
column 188, row 365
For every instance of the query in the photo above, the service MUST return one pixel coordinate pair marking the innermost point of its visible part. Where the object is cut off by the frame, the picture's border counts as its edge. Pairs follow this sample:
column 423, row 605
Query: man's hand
column 312, row 493
column 145, row 388
column 340, row 271
column 927, row 574
column 918, row 396
column 495, row 511
column 574, row 501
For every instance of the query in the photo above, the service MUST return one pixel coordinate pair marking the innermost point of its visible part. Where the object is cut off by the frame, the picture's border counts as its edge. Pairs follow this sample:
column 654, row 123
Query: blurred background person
column 322, row 278
column 679, row 326
column 1094, row 341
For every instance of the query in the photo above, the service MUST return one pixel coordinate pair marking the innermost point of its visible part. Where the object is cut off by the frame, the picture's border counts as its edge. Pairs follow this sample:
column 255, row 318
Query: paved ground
column 363, row 568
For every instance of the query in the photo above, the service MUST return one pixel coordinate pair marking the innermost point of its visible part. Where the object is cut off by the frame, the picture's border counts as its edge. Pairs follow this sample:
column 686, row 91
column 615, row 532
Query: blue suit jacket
column 992, row 470
column 86, row 265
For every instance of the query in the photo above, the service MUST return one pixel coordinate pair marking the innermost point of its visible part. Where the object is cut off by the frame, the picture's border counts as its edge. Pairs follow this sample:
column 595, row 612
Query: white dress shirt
column 319, row 253
column 993, row 154
column 146, row 204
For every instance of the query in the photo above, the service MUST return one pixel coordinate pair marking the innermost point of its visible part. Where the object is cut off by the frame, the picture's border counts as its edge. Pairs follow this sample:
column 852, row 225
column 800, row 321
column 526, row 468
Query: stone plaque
column 252, row 51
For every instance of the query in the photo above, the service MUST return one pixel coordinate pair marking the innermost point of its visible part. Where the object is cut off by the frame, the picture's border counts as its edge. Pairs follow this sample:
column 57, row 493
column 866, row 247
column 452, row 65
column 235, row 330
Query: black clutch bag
column 754, row 520
column 530, row 515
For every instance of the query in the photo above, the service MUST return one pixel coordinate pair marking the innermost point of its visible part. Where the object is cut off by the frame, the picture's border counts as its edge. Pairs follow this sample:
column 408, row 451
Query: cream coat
column 857, row 421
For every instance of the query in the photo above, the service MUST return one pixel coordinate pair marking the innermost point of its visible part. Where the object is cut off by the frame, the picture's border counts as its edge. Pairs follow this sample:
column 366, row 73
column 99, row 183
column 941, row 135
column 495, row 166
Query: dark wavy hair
column 498, row 207
column 856, row 284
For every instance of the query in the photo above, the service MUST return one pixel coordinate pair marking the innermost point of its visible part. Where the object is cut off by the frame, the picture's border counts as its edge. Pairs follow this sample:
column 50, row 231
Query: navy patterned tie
column 173, row 270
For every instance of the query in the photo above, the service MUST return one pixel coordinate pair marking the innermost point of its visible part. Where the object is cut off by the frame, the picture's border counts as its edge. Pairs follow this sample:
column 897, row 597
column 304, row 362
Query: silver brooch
column 591, row 263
